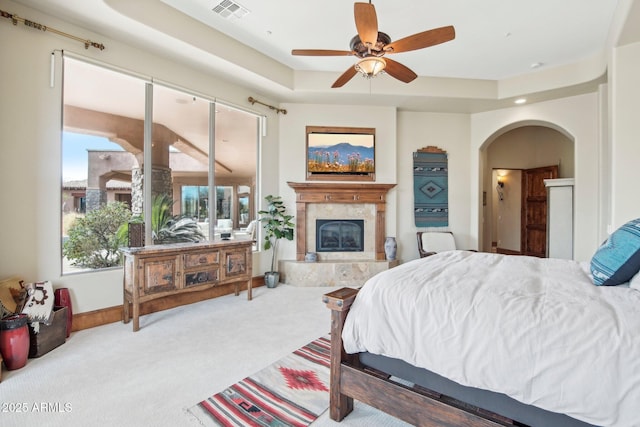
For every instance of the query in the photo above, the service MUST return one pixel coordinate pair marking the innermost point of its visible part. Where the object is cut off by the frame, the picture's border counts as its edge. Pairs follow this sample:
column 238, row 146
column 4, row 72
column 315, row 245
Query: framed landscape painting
column 340, row 153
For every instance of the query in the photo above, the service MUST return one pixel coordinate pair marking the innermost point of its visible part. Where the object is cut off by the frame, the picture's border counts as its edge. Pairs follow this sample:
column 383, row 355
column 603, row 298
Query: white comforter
column 535, row 329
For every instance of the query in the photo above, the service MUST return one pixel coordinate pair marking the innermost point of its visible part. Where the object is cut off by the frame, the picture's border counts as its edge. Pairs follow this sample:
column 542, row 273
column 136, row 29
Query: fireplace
column 339, row 235
column 341, row 200
column 348, row 204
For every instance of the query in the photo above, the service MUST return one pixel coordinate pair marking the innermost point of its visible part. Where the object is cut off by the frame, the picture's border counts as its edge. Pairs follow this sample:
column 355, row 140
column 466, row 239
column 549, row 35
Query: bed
column 478, row 339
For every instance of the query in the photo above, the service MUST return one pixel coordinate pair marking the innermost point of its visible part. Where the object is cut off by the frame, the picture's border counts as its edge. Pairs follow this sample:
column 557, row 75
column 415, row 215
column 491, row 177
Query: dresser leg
column 125, row 311
column 136, row 317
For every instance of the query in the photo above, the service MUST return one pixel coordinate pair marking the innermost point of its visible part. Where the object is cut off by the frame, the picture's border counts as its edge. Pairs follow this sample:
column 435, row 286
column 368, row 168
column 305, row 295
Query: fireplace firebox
column 339, row 235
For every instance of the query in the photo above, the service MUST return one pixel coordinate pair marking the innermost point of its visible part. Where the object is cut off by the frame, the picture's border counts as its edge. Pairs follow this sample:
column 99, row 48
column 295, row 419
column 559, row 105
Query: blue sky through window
column 74, row 153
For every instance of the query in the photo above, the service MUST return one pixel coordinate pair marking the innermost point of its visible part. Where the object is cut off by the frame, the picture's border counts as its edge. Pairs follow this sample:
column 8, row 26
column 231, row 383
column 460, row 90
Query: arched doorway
column 509, row 151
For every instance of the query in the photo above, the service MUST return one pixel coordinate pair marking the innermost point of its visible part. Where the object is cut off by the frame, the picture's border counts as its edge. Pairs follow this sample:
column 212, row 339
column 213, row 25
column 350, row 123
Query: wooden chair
column 432, row 242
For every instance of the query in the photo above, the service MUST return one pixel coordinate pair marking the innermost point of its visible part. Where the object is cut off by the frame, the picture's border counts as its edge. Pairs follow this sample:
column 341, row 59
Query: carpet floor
column 111, row 376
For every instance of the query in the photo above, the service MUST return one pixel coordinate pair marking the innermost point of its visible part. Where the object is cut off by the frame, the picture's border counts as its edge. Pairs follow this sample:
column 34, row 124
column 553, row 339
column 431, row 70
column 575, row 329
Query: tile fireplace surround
column 338, row 201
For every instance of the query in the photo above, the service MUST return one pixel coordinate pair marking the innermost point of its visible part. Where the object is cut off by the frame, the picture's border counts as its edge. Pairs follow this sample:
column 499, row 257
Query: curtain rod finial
column 252, row 100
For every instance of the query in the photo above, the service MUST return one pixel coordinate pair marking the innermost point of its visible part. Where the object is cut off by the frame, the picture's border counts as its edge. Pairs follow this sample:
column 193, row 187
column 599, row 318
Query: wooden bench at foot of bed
column 350, row 380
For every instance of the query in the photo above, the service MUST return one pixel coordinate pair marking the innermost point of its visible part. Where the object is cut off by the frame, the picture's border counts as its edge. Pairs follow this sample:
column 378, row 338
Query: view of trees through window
column 104, row 150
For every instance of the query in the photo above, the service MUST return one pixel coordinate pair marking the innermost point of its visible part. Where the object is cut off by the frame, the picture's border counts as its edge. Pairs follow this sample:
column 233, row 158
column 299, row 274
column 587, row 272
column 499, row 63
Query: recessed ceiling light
column 520, row 101
column 537, row 64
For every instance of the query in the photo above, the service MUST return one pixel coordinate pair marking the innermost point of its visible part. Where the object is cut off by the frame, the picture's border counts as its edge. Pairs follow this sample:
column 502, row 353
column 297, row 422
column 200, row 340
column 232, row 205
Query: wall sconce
column 500, row 187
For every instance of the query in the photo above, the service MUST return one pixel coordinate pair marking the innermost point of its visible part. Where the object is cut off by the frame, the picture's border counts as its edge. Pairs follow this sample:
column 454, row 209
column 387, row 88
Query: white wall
column 30, row 117
column 449, row 132
column 625, row 132
column 293, row 144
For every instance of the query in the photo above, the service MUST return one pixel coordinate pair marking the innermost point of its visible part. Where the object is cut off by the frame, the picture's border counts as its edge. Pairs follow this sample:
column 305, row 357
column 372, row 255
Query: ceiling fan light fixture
column 369, row 45
column 371, row 66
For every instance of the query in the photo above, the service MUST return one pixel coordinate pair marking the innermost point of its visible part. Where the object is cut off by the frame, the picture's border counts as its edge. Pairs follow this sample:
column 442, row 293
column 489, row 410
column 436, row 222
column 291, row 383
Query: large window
column 136, row 152
column 195, row 202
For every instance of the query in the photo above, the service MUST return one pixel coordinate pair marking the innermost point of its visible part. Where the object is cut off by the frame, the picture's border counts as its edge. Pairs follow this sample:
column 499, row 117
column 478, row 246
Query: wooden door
column 534, row 210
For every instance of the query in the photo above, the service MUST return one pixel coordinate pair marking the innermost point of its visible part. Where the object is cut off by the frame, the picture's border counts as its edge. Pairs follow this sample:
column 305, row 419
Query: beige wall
column 531, row 147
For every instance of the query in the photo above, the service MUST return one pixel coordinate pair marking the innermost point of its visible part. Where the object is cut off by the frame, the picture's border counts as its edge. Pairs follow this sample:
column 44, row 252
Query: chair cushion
column 438, row 241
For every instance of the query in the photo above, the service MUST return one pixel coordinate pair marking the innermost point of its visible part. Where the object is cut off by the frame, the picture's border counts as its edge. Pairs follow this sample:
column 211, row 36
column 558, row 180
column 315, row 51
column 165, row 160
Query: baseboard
column 103, row 316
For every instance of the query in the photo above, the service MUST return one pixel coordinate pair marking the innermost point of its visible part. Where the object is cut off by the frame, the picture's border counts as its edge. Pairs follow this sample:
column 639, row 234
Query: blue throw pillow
column 618, row 259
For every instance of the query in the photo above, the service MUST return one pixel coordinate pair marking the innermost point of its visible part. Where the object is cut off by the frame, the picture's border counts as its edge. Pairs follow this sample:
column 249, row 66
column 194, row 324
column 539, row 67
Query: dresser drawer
column 201, row 277
column 200, row 259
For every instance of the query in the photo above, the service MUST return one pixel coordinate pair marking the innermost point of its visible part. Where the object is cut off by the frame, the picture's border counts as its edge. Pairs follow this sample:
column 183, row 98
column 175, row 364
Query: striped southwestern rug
column 293, row 391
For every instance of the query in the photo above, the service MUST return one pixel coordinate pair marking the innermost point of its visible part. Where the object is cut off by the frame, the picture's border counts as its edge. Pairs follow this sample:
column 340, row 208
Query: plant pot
column 271, row 279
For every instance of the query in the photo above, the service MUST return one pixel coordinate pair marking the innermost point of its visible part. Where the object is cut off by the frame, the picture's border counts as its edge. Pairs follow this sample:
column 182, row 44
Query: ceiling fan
column 370, row 45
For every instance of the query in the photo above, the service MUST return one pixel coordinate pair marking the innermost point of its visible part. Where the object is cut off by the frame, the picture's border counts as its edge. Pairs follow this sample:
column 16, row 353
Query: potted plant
column 165, row 227
column 277, row 225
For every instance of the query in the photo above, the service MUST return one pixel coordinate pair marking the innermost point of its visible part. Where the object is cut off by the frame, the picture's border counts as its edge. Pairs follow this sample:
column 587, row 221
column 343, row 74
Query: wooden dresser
column 162, row 270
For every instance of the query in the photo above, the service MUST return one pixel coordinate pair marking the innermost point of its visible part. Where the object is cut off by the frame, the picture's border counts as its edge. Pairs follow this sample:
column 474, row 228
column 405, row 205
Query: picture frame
column 340, row 153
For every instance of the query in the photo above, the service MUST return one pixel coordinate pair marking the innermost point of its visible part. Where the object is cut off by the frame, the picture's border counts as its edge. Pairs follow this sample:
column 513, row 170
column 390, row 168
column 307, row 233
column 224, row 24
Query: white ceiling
column 495, row 39
column 497, row 43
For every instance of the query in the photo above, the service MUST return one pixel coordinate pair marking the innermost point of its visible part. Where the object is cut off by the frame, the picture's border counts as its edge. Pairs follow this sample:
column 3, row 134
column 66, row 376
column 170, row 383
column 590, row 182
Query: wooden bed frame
column 416, row 405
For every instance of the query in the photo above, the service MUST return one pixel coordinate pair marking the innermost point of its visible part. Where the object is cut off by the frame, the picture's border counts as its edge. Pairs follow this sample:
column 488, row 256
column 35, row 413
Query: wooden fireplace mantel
column 307, row 192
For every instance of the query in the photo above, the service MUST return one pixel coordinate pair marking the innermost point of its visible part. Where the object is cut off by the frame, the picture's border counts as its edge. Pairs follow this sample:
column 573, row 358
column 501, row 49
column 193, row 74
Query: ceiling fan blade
column 399, row 71
column 345, row 77
column 422, row 40
column 366, row 23
column 321, row 52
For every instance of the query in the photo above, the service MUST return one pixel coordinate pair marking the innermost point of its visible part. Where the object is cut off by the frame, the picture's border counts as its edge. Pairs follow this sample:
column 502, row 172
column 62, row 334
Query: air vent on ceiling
column 230, row 10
